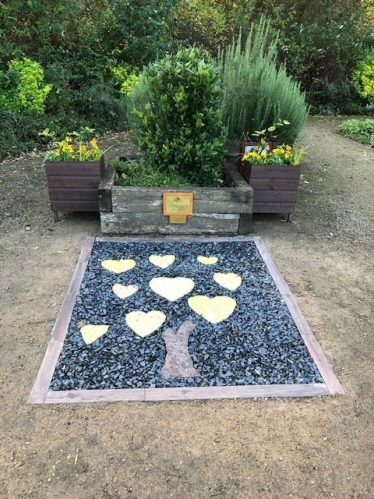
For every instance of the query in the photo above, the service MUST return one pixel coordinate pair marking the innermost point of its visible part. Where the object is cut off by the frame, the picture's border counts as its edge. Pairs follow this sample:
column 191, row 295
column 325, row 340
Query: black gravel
column 258, row 344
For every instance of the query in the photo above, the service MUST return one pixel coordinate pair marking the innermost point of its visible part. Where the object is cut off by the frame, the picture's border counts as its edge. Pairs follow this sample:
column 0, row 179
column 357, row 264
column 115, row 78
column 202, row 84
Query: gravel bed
column 258, row 344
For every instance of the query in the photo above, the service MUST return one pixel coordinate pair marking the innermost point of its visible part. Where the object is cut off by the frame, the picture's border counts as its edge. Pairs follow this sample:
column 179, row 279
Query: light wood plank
column 76, row 396
column 302, row 325
column 194, row 393
column 323, row 365
column 307, row 390
column 59, row 331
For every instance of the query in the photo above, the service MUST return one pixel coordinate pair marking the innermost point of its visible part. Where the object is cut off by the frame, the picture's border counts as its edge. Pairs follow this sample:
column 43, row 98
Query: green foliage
column 363, row 78
column 211, row 23
column 22, row 87
column 258, row 93
column 360, row 130
column 320, row 43
column 126, row 78
column 144, row 28
column 180, row 128
column 138, row 174
column 19, row 132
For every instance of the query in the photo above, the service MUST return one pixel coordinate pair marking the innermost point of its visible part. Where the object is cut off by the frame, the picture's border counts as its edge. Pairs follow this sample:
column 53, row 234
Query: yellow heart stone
column 143, row 323
column 91, row 333
column 124, row 291
column 207, row 260
column 213, row 310
column 171, row 288
column 162, row 261
column 229, row 281
column 118, row 266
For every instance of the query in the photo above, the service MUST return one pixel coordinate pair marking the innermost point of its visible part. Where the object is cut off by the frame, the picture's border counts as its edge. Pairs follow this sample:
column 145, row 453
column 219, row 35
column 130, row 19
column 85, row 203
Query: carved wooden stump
column 178, row 362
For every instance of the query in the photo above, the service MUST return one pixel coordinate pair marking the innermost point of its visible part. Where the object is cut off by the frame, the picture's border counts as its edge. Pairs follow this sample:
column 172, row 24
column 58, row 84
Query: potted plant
column 274, row 175
column 74, row 168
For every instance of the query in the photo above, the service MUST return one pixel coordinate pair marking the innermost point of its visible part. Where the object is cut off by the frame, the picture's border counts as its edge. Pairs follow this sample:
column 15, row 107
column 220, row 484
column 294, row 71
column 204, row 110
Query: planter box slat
column 146, row 223
column 74, row 168
column 275, row 196
column 267, row 171
column 74, row 182
column 276, row 184
column 68, row 194
column 138, row 210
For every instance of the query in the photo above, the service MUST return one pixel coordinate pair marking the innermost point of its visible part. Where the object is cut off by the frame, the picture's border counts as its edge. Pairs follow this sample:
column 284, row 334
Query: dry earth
column 265, row 448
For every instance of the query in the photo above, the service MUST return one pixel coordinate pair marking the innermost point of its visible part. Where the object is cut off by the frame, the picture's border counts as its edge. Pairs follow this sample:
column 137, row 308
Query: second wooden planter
column 275, row 187
column 73, row 185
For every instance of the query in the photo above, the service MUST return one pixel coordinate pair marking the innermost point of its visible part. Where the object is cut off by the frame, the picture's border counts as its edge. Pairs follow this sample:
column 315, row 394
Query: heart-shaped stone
column 124, row 291
column 162, row 261
column 143, row 323
column 229, row 281
column 213, row 310
column 207, row 260
column 118, row 266
column 171, row 288
column 91, row 333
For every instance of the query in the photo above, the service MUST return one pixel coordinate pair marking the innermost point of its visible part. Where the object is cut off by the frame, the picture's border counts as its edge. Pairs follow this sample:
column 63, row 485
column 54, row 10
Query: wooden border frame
column 41, row 394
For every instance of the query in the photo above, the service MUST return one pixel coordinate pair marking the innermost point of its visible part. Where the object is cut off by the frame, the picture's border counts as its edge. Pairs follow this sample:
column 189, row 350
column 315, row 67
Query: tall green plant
column 258, row 93
column 180, row 127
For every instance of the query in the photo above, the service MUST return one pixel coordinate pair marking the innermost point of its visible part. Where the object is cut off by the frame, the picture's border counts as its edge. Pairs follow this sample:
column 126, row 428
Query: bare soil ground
column 265, row 448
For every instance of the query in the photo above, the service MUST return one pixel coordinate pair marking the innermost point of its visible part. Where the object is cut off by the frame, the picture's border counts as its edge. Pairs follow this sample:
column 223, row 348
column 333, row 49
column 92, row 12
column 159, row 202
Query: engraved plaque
column 178, row 204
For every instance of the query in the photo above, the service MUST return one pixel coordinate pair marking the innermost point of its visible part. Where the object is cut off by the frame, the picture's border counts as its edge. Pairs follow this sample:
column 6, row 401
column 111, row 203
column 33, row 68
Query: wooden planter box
column 139, row 210
column 275, row 187
column 73, row 185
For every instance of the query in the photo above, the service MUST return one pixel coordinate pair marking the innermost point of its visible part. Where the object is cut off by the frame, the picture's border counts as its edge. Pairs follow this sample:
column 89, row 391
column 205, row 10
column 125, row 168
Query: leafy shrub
column 363, row 78
column 22, row 87
column 144, row 29
column 361, row 130
column 125, row 78
column 19, row 132
column 257, row 93
column 180, row 129
column 100, row 107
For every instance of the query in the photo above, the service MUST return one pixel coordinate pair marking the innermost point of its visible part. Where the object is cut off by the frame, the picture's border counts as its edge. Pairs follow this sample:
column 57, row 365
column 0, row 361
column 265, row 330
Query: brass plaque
column 178, row 203
column 177, row 219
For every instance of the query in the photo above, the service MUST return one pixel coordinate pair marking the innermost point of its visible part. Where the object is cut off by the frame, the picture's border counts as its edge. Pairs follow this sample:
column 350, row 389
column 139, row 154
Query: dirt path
column 301, row 448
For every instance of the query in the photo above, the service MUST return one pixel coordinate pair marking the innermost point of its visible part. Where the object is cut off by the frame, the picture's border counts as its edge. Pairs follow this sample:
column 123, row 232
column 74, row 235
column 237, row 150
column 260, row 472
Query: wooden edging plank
column 306, row 333
column 40, row 393
column 185, row 393
column 45, row 374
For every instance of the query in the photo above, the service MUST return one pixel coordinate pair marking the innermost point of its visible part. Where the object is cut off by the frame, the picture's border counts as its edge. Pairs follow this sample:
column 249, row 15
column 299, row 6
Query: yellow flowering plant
column 281, row 155
column 77, row 146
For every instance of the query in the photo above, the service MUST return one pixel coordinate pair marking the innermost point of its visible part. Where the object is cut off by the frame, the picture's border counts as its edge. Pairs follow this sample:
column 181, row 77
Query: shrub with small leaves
column 22, row 87
column 180, row 128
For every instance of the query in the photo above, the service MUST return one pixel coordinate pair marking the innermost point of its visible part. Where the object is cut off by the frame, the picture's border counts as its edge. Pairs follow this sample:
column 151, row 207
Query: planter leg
column 55, row 215
column 289, row 218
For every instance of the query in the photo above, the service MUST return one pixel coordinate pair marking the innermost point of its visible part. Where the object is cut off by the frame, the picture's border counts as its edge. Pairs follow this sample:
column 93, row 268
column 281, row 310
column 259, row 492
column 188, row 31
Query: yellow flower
column 94, row 144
